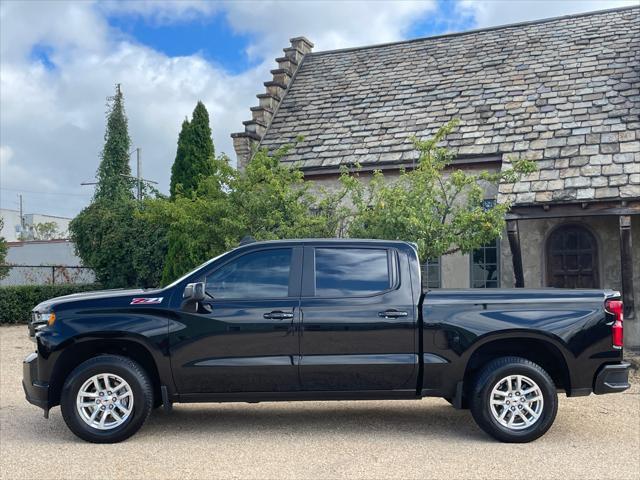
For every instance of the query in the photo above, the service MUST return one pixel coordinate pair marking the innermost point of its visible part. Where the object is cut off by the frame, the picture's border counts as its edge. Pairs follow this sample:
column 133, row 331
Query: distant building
column 45, row 262
column 13, row 227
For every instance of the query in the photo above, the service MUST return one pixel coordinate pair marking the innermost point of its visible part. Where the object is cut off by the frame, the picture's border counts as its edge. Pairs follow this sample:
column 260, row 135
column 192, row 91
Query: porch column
column 516, row 252
column 626, row 266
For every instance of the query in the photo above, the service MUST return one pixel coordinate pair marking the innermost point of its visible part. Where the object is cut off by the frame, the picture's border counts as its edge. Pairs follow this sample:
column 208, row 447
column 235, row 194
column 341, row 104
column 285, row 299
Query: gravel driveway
column 593, row 437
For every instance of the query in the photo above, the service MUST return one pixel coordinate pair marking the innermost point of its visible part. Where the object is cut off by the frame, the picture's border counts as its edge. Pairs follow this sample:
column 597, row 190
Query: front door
column 244, row 337
column 358, row 325
column 572, row 258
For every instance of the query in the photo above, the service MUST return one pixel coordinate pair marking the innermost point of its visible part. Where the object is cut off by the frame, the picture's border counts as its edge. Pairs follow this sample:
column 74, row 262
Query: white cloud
column 164, row 11
column 52, row 120
column 490, row 13
column 328, row 25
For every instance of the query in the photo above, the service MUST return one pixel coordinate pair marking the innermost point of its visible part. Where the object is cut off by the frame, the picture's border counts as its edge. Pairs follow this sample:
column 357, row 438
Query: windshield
column 195, row 270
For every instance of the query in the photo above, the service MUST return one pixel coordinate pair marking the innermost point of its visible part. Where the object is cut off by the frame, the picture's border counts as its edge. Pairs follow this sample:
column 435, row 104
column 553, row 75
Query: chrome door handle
column 392, row 314
column 278, row 315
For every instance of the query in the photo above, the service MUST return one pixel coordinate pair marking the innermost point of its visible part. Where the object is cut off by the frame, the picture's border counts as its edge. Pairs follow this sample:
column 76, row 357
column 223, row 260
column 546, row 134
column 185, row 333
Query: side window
column 262, row 274
column 432, row 273
column 485, row 261
column 351, row 271
column 485, row 266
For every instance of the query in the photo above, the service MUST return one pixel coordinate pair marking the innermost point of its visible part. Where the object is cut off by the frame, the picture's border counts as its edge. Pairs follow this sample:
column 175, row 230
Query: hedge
column 16, row 302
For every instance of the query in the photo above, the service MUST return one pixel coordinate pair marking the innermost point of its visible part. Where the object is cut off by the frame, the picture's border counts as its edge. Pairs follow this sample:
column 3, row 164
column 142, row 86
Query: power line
column 138, row 177
column 45, row 193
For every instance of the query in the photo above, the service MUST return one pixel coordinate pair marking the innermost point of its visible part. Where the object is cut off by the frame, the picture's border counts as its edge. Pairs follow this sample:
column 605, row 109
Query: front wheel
column 106, row 399
column 514, row 400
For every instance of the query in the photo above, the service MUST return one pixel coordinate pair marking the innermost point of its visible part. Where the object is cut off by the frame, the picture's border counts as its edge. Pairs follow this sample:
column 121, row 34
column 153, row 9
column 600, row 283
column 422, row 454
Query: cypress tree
column 114, row 163
column 178, row 167
column 195, row 154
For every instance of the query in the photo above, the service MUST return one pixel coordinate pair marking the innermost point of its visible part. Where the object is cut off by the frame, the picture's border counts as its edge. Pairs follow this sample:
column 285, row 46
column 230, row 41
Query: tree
column 271, row 200
column 268, row 200
column 196, row 224
column 102, row 234
column 114, row 164
column 120, row 243
column 438, row 208
column 4, row 269
column 194, row 155
column 113, row 235
column 46, row 231
column 179, row 166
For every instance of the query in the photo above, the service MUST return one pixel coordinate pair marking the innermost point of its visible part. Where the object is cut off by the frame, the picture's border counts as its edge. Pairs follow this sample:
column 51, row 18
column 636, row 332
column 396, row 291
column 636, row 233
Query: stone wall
column 245, row 143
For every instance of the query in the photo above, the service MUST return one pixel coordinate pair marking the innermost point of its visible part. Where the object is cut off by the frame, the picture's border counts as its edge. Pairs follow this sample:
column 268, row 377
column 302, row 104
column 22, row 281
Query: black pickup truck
column 321, row 320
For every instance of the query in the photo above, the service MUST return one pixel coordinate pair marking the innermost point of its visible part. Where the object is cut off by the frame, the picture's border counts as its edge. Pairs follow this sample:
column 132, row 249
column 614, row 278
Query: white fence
column 47, row 275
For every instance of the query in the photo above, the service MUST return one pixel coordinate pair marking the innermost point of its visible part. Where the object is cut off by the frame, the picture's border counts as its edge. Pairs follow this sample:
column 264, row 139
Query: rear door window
column 351, row 272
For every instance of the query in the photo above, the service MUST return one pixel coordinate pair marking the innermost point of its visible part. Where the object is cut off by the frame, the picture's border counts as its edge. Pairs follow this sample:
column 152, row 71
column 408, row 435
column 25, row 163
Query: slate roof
column 564, row 92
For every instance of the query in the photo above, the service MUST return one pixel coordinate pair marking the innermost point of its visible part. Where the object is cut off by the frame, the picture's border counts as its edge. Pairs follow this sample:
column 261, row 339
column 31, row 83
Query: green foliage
column 212, row 207
column 4, row 270
column 439, row 209
column 119, row 242
column 113, row 235
column 149, row 251
column 178, row 169
column 16, row 302
column 195, row 153
column 114, row 164
column 268, row 200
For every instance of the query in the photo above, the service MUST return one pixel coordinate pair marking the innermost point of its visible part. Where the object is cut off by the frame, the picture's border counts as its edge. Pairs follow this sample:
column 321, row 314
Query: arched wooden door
column 572, row 258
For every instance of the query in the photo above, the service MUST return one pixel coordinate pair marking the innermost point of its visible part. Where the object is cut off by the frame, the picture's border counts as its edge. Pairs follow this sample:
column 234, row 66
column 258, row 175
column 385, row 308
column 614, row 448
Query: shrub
column 16, row 302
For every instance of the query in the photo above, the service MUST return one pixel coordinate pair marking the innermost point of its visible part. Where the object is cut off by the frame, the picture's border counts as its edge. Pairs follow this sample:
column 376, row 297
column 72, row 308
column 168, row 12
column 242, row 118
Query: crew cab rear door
column 358, row 319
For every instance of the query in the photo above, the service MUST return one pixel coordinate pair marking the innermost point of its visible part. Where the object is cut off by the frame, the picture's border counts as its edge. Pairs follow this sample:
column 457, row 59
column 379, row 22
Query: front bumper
column 37, row 392
column 612, row 378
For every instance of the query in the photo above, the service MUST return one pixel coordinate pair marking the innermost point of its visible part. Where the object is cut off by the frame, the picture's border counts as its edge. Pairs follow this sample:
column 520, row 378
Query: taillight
column 616, row 308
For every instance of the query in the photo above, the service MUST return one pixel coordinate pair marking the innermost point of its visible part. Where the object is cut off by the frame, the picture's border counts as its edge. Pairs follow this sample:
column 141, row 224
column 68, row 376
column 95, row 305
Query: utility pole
column 21, row 215
column 139, row 173
column 138, row 177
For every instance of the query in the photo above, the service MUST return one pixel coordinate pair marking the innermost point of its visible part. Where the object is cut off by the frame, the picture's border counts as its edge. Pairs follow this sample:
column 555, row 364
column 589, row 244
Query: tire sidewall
column 485, row 418
column 124, row 368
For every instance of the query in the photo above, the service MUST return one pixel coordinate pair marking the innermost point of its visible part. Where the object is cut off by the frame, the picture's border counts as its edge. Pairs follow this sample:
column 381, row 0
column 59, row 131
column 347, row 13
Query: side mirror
column 194, row 292
column 192, row 295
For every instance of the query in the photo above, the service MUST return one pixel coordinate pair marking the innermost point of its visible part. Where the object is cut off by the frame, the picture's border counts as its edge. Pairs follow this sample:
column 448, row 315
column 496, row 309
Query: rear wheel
column 106, row 399
column 514, row 400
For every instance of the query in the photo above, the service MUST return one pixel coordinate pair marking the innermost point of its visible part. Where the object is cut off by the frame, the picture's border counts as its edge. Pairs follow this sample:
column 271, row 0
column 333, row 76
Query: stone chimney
column 245, row 143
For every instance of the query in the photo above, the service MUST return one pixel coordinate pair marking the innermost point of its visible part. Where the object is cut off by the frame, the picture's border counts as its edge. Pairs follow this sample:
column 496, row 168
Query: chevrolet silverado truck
column 321, row 320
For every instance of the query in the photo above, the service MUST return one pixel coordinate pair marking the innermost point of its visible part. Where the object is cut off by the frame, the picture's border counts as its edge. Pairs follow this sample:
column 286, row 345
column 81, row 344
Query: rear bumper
column 37, row 393
column 612, row 378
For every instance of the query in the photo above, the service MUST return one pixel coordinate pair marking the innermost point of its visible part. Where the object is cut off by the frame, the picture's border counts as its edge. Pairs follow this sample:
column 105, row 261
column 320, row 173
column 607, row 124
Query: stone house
column 564, row 92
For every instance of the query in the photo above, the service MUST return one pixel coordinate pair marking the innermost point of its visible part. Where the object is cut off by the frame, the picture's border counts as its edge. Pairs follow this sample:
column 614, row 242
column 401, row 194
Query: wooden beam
column 486, row 162
column 626, row 266
column 516, row 252
column 593, row 209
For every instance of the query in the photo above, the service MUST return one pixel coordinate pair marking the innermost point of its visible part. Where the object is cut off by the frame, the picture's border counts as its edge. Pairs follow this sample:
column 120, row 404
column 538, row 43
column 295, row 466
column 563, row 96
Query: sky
column 59, row 61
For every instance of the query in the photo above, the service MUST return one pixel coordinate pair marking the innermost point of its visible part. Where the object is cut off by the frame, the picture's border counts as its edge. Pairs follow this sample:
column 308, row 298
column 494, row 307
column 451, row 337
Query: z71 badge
column 146, row 301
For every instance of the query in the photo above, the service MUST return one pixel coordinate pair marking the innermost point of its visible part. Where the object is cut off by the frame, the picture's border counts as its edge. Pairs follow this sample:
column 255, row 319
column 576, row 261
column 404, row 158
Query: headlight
column 48, row 318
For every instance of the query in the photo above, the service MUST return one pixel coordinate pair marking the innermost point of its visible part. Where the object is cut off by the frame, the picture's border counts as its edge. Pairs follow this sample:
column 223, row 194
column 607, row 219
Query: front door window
column 262, row 274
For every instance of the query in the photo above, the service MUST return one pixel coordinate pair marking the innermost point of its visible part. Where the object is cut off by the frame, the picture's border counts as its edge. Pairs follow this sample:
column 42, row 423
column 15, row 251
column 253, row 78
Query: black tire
column 128, row 370
column 490, row 375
